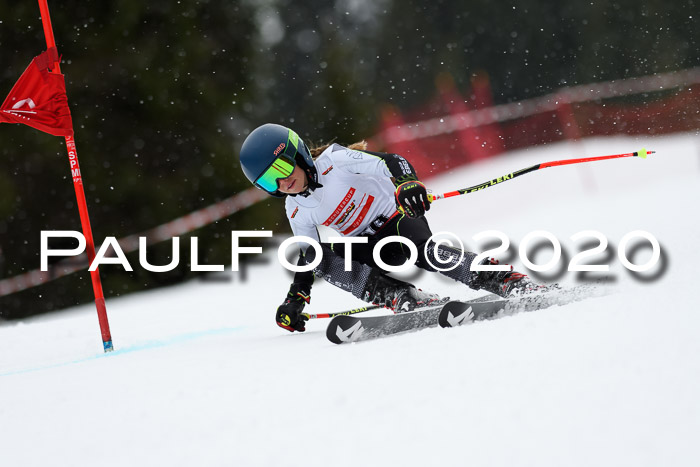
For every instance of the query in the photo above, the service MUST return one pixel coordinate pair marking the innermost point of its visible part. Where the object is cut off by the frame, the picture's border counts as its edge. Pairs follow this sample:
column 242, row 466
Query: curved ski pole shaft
column 342, row 313
column 641, row 153
column 370, row 308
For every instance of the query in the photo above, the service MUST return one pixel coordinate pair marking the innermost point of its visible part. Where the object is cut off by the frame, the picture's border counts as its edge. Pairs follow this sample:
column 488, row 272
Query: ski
column 344, row 329
column 456, row 313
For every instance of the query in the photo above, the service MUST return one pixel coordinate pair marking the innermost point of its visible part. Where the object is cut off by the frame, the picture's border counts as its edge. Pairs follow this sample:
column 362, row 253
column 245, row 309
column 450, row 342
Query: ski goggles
column 281, row 168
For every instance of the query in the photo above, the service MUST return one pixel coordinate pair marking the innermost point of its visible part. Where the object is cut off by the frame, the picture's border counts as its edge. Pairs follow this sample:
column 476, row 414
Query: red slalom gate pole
column 80, row 196
column 432, row 197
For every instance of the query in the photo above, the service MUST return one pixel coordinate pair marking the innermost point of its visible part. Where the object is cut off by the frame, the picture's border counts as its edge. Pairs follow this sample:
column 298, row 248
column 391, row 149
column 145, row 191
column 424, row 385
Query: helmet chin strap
column 312, row 179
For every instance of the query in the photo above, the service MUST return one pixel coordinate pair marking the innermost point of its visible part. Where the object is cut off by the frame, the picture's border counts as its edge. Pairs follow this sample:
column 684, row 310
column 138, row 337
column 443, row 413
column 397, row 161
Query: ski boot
column 504, row 283
column 397, row 295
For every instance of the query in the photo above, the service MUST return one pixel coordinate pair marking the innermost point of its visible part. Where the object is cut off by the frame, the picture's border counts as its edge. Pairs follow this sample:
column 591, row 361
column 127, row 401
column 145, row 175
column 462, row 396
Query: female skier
column 357, row 193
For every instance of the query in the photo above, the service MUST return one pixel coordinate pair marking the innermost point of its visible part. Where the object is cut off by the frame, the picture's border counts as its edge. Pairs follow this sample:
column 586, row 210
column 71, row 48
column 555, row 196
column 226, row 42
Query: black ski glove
column 412, row 197
column 289, row 314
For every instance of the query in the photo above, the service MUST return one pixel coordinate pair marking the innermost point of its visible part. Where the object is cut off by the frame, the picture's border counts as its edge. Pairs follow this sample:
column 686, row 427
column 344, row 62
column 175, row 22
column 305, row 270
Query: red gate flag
column 39, row 99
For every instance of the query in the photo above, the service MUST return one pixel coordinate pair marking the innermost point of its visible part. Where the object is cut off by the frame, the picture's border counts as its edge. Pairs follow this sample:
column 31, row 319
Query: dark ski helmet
column 270, row 152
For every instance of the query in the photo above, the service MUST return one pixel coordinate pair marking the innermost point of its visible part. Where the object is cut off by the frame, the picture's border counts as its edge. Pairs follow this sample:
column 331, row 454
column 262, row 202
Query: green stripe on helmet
column 294, row 139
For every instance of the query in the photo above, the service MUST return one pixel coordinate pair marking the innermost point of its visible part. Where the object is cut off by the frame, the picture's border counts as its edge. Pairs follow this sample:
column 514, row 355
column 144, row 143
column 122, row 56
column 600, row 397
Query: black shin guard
column 332, row 270
column 452, row 262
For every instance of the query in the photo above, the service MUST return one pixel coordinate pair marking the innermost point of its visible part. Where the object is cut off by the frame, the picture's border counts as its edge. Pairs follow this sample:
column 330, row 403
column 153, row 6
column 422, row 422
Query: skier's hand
column 412, row 198
column 289, row 314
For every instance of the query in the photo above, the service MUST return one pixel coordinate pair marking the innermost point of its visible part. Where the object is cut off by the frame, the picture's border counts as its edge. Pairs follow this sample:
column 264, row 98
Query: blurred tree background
column 163, row 94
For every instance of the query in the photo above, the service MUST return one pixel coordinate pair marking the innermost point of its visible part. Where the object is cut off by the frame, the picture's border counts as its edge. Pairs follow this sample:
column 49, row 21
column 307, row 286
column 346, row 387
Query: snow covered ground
column 202, row 376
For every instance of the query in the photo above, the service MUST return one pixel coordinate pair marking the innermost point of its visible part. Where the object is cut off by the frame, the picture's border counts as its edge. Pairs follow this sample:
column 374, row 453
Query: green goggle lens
column 281, row 168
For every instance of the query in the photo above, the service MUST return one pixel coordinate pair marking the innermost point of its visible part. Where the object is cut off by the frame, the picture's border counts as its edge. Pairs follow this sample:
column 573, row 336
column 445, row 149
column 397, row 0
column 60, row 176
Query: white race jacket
column 357, row 196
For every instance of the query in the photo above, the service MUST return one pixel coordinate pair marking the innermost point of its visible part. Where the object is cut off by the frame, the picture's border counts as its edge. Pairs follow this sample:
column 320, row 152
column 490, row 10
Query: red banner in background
column 39, row 99
column 664, row 103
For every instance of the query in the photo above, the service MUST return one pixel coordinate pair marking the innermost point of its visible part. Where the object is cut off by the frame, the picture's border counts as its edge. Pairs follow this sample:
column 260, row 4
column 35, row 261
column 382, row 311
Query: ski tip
column 454, row 313
column 343, row 329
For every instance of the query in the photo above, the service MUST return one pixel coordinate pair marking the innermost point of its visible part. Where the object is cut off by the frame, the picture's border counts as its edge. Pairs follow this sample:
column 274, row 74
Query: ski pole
column 340, row 313
column 432, row 197
column 369, row 308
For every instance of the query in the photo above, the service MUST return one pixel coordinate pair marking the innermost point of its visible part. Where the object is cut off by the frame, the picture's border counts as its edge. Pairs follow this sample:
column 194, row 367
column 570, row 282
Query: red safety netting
column 452, row 130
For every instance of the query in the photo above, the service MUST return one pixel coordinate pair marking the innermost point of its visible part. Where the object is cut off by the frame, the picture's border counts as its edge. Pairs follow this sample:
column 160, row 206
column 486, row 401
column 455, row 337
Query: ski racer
column 357, row 193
